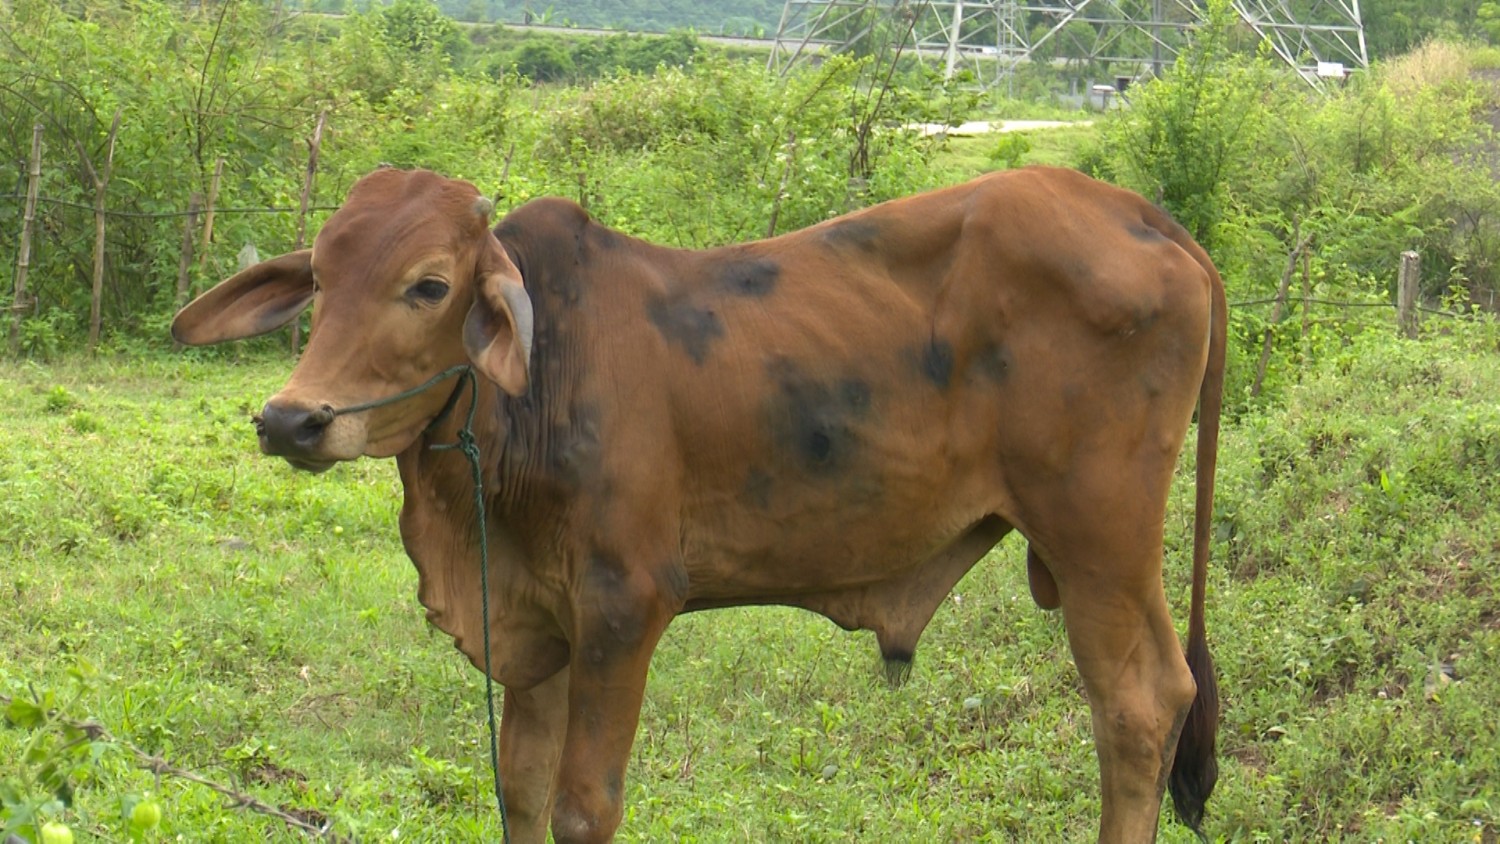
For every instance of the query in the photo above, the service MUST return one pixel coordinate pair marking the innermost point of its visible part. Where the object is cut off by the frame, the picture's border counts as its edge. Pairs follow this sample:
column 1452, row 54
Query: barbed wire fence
column 24, row 300
column 167, row 215
column 202, row 212
column 197, row 232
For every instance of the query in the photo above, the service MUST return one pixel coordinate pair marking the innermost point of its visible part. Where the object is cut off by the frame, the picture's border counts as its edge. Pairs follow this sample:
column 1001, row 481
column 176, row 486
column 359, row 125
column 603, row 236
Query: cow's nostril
column 290, row 431
column 313, row 424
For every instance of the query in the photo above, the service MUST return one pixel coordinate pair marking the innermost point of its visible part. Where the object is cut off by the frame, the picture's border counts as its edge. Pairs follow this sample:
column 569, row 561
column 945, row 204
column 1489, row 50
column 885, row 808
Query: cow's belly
column 784, row 532
column 837, row 557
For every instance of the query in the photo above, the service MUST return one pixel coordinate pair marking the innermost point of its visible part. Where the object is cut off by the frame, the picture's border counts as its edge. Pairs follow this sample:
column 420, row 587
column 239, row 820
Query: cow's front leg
column 532, row 729
column 620, row 615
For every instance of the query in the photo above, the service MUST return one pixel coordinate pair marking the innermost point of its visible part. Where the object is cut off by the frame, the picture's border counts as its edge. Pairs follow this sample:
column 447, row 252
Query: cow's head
column 405, row 281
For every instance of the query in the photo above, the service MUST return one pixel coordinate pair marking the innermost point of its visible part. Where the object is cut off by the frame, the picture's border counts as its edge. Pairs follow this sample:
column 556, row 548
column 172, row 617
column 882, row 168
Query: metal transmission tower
column 992, row 37
column 953, row 34
column 1310, row 33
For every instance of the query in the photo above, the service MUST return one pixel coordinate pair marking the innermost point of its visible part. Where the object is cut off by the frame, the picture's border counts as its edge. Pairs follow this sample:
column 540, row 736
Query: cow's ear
column 497, row 332
column 252, row 302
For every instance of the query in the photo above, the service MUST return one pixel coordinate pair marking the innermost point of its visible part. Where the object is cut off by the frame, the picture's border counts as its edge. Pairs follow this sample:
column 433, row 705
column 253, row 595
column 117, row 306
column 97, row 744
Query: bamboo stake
column 307, row 183
column 101, row 184
column 786, row 174
column 1276, row 307
column 185, row 264
column 1306, row 295
column 208, row 215
column 23, row 263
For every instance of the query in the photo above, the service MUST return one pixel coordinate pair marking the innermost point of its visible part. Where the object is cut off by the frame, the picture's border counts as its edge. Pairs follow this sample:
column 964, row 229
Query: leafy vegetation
column 1325, row 191
column 397, row 88
column 258, row 626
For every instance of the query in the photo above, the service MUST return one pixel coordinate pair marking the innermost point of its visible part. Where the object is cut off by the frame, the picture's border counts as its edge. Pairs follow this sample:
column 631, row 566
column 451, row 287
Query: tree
column 543, row 61
column 1188, row 133
column 1393, row 27
column 420, row 31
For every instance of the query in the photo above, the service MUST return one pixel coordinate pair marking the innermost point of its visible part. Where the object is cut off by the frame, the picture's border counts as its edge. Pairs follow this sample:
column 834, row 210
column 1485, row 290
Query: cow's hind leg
column 532, row 729
column 1138, row 682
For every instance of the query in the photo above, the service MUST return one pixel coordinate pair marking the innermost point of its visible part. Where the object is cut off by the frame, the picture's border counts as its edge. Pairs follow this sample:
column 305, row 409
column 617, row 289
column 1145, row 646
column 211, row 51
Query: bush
column 1274, row 179
column 715, row 153
column 543, row 61
column 1196, row 131
column 1008, row 151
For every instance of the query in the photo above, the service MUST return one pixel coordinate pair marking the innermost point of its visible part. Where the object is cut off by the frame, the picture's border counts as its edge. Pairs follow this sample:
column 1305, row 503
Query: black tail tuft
column 1195, row 770
column 897, row 666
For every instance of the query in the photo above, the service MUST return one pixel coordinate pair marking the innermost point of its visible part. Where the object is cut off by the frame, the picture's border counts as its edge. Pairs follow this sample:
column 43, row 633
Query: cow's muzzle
column 295, row 433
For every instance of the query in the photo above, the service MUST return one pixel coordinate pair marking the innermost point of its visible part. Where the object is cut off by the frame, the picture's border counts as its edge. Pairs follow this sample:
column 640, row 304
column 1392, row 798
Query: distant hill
column 711, row 17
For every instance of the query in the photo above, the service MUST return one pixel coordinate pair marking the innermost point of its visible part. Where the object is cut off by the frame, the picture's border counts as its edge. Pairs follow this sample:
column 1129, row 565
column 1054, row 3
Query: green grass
column 260, row 627
column 965, row 156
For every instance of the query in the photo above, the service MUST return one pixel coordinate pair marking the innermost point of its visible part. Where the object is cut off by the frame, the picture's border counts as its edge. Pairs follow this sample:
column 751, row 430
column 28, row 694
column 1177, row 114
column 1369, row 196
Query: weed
column 1009, row 149
column 59, row 400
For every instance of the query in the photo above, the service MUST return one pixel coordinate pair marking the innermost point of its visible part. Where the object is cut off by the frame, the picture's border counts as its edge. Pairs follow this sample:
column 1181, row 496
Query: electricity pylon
column 1321, row 39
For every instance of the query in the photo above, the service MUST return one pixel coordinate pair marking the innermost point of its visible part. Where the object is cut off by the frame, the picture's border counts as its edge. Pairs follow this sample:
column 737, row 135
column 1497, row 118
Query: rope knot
column 467, row 443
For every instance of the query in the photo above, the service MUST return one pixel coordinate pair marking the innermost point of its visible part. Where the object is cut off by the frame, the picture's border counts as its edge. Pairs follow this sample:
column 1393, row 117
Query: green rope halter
column 470, row 449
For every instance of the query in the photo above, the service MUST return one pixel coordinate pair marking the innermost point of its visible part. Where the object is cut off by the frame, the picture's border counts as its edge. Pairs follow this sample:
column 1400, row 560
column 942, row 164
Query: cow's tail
column 1195, row 769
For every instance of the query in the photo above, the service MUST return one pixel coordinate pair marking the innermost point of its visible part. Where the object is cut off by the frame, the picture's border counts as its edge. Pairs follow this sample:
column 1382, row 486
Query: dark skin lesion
column 935, row 361
column 574, row 452
column 752, row 278
column 860, row 235
column 685, row 325
column 689, row 315
column 993, row 362
column 615, row 620
column 815, row 420
column 757, row 489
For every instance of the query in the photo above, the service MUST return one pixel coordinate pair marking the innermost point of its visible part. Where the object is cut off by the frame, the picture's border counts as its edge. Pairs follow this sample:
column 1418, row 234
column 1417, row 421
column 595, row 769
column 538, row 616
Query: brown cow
column 844, row 419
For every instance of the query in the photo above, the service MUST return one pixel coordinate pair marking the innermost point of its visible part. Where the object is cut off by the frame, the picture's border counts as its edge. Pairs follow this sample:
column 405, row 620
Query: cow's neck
column 532, row 448
column 439, row 528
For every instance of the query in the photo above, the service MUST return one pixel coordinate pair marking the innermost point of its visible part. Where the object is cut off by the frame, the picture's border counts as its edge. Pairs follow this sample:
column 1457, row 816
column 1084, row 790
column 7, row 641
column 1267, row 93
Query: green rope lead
column 469, row 446
column 420, row 388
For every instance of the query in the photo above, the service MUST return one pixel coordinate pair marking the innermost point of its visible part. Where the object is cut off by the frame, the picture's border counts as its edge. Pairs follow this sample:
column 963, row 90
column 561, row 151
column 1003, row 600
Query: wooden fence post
column 1277, row 306
column 23, row 263
column 1408, row 285
column 185, row 264
column 1306, row 296
column 101, row 184
column 786, row 174
column 208, row 215
column 307, row 183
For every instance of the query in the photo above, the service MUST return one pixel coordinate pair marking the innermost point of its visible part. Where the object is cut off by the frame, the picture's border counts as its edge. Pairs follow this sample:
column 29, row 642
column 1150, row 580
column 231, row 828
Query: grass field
column 1059, row 147
column 260, row 627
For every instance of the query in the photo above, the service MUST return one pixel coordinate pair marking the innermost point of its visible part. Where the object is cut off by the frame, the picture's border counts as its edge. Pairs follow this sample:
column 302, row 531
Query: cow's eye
column 428, row 291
